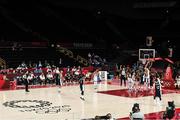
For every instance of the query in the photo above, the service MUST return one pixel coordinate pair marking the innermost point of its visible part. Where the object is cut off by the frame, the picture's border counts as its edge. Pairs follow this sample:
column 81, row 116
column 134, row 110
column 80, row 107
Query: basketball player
column 81, row 85
column 60, row 83
column 130, row 82
column 146, row 77
column 95, row 78
column 157, row 88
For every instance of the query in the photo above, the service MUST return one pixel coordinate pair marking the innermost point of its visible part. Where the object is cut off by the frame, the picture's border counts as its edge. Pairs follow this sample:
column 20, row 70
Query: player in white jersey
column 95, row 78
column 130, row 82
column 146, row 78
column 60, row 83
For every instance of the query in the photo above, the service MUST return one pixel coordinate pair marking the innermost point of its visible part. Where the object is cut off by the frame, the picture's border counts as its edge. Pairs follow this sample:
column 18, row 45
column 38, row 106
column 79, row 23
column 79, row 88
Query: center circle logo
column 36, row 103
column 37, row 106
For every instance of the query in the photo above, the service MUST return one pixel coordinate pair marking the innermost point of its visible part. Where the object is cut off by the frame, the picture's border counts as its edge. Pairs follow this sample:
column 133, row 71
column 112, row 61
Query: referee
column 26, row 82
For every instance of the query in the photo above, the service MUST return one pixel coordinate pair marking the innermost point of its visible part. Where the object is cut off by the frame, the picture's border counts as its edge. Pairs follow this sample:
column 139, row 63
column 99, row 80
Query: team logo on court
column 37, row 106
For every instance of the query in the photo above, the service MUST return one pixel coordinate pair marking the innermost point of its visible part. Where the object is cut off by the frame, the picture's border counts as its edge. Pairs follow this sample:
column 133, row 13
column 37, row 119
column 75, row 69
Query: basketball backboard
column 146, row 54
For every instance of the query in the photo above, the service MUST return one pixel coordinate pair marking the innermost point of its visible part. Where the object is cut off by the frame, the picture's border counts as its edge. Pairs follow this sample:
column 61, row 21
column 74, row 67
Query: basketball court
column 49, row 104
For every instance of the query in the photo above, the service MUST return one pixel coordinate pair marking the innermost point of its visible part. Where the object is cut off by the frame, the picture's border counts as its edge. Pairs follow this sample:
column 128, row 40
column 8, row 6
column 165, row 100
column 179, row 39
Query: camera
column 135, row 108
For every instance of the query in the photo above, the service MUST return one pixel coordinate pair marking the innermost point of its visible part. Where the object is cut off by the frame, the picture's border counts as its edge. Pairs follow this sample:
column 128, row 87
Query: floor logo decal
column 37, row 106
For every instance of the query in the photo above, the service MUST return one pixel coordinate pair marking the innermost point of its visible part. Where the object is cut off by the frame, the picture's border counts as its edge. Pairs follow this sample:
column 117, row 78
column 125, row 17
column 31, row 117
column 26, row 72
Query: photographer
column 136, row 114
column 170, row 111
column 105, row 117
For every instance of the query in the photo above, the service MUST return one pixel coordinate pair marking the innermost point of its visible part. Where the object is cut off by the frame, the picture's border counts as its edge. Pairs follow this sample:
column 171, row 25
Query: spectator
column 177, row 79
column 23, row 65
column 42, row 78
column 49, row 78
column 136, row 114
column 39, row 65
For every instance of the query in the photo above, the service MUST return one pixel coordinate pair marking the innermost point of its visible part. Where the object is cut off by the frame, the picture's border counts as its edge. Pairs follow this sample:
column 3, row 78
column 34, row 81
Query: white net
column 143, row 61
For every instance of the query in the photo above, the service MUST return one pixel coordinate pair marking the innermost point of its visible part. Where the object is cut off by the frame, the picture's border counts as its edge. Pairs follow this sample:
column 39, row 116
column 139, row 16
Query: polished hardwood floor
column 50, row 104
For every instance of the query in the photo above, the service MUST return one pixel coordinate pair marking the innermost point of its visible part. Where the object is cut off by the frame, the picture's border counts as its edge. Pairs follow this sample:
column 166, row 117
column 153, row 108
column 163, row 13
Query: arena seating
column 12, row 84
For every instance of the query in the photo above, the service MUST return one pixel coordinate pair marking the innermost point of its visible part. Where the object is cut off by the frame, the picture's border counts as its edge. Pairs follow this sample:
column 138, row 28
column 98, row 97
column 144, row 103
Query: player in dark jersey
column 81, row 85
column 157, row 88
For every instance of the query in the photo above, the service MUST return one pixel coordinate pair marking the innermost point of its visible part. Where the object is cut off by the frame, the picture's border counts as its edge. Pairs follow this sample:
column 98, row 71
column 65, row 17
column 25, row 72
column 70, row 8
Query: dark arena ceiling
column 88, row 21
